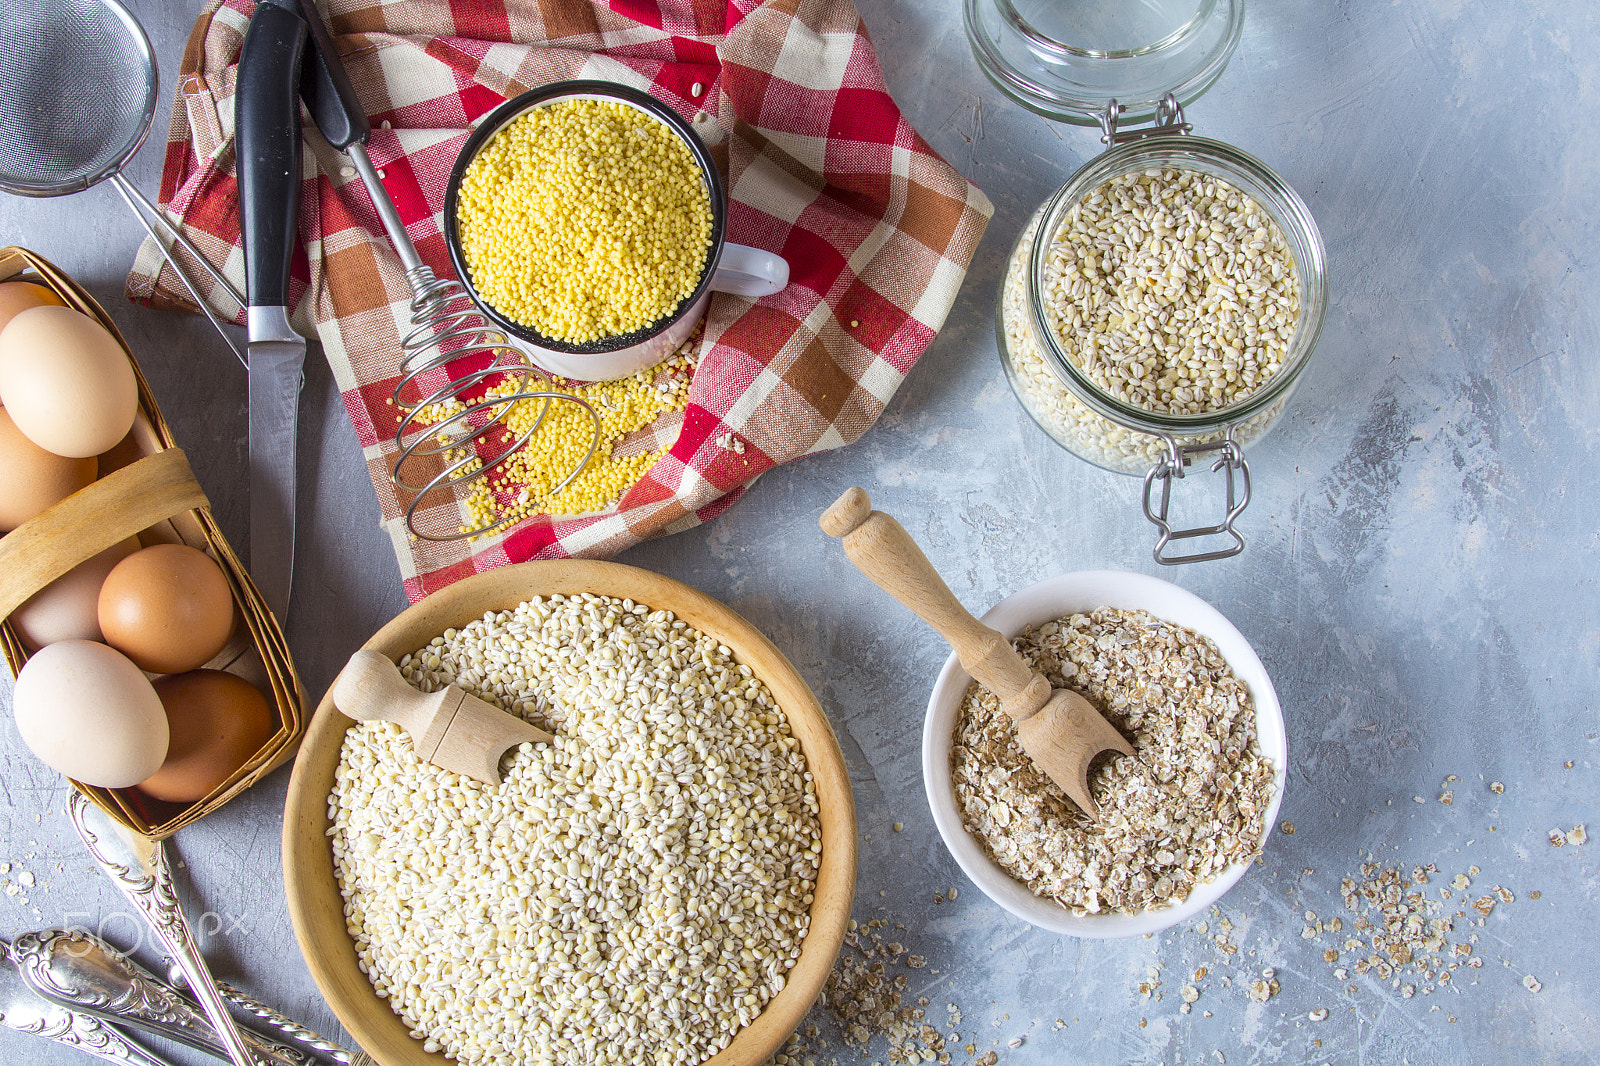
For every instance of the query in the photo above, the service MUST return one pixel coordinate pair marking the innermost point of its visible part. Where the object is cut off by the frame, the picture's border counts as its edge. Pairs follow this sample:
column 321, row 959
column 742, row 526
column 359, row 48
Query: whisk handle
column 267, row 124
column 326, row 87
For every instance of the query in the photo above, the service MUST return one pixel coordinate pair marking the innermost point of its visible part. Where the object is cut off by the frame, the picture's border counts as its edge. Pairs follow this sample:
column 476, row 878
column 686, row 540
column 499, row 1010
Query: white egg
column 88, row 712
column 68, row 607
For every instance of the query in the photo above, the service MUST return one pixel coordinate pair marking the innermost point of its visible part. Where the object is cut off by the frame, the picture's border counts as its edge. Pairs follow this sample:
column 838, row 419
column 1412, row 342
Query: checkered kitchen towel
column 821, row 168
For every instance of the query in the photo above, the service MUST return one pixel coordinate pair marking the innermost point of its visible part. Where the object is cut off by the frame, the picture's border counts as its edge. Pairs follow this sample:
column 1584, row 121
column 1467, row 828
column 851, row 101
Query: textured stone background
column 1420, row 579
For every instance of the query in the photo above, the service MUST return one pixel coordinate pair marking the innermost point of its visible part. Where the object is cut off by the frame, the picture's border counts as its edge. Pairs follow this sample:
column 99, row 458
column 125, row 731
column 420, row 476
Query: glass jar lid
column 1070, row 61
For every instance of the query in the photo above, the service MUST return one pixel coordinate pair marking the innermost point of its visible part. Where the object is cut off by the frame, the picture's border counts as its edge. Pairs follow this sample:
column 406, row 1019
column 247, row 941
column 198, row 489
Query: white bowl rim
column 1056, row 597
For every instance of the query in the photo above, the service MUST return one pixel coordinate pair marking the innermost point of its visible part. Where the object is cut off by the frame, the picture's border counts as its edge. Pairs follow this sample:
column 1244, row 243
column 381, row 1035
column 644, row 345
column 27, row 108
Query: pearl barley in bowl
column 1182, row 818
column 667, row 882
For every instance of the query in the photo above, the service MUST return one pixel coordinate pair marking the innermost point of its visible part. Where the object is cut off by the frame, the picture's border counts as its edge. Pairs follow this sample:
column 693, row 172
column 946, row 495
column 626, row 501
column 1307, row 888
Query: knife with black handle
column 267, row 143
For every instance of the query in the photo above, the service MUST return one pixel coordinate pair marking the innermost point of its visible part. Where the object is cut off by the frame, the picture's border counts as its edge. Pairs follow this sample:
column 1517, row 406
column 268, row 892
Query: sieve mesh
column 78, row 96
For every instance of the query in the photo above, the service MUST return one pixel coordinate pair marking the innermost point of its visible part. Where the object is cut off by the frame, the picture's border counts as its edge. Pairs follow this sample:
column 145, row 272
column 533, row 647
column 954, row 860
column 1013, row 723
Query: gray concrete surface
column 1420, row 579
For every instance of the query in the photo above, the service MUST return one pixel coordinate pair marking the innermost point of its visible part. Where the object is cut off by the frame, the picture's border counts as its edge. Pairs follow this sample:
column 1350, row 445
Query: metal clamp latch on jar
column 1169, row 121
column 1171, row 466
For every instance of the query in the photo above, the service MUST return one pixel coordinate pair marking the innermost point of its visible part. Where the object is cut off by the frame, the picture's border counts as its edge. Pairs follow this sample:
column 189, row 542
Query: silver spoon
column 82, row 972
column 25, row 1012
column 138, row 867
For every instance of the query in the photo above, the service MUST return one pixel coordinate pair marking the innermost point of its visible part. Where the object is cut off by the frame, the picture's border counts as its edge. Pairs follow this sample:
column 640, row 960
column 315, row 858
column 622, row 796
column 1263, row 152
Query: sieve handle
column 267, row 124
column 326, row 88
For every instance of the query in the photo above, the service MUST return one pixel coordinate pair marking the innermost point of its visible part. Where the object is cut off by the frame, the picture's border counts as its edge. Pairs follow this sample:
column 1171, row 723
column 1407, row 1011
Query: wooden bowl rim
column 316, row 908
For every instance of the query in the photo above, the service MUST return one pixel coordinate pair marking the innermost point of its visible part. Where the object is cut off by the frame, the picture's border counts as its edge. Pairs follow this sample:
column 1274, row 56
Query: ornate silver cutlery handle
column 294, row 1030
column 24, row 1012
column 138, row 867
column 79, row 971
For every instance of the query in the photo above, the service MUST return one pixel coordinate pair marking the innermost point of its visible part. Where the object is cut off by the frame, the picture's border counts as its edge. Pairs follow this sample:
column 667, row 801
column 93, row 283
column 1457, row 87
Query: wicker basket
column 146, row 489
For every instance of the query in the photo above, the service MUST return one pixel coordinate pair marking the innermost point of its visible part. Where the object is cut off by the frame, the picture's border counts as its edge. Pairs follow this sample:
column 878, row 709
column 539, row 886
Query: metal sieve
column 77, row 102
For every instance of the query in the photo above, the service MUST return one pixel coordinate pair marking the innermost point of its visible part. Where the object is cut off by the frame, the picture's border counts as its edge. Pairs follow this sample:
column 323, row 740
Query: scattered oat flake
column 1557, row 838
column 1015, row 1042
column 1497, row 788
column 1531, row 983
column 898, row 826
column 1261, row 991
column 25, row 879
column 1419, row 799
column 1577, row 836
column 1319, row 1015
column 1288, row 829
column 1447, row 797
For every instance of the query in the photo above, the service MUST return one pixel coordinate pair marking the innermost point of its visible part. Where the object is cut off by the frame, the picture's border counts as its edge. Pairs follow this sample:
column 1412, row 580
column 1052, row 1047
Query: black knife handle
column 326, row 88
column 267, row 145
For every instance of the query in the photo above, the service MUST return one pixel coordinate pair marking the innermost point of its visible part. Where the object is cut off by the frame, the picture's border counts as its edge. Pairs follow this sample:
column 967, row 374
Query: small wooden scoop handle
column 371, row 689
column 882, row 549
column 451, row 728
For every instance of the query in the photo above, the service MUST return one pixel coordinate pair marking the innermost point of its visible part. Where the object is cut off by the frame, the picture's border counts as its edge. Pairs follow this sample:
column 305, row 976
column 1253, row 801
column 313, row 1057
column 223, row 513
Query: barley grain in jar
column 1158, row 311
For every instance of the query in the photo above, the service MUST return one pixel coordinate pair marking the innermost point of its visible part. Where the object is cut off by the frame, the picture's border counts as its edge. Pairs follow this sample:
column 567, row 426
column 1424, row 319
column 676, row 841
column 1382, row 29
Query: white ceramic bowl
column 1056, row 597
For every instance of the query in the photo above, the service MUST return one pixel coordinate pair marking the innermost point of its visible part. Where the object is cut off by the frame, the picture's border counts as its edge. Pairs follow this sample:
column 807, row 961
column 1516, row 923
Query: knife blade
column 267, row 141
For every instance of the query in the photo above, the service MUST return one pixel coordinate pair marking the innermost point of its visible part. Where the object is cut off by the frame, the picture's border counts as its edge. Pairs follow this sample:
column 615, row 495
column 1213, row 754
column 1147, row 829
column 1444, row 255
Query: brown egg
column 168, row 607
column 31, row 478
column 18, row 296
column 69, row 607
column 215, row 721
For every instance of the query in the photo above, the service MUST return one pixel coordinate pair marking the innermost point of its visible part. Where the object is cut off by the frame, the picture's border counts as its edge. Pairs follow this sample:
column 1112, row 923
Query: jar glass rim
column 1048, row 42
column 1257, row 180
column 1075, row 81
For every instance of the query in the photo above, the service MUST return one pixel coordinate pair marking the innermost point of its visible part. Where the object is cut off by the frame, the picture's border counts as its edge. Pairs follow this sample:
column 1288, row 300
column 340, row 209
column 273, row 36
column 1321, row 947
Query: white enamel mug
column 732, row 268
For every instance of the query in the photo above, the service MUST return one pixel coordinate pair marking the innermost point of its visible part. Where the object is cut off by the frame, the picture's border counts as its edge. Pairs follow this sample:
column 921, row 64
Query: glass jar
column 1065, row 60
column 1095, row 425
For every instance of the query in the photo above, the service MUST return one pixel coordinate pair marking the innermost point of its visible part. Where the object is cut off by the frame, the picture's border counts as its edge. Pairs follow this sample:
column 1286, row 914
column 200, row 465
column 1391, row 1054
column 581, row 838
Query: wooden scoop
column 450, row 729
column 1059, row 729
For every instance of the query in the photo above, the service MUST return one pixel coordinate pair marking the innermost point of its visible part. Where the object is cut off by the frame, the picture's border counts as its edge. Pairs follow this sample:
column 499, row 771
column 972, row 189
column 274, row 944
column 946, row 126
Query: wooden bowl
column 317, row 909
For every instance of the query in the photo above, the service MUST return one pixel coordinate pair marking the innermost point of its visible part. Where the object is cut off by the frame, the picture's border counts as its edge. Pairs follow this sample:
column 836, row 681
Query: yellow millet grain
column 522, row 485
column 584, row 219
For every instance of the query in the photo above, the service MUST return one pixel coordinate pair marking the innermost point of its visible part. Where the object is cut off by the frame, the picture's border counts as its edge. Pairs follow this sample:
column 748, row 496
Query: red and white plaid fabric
column 820, row 166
